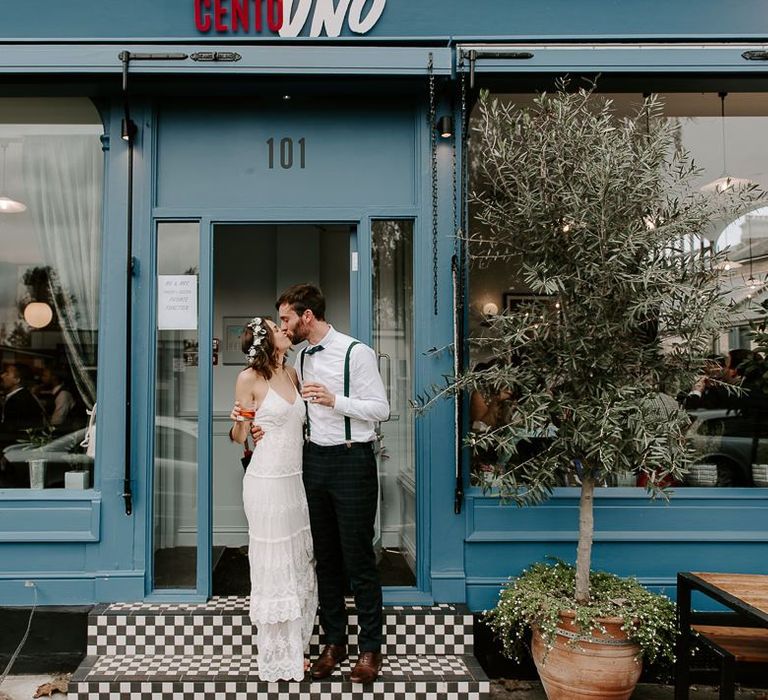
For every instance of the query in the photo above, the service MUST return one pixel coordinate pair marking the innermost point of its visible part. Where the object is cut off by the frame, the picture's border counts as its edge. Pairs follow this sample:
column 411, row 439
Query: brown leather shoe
column 331, row 655
column 367, row 668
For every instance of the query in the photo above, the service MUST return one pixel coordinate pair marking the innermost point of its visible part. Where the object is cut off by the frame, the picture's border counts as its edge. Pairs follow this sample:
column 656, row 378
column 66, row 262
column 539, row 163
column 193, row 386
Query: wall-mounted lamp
column 128, row 129
column 490, row 309
column 444, row 126
column 38, row 314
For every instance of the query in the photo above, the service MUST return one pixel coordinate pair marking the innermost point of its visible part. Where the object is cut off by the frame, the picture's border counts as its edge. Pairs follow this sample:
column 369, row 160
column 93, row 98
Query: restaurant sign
column 288, row 18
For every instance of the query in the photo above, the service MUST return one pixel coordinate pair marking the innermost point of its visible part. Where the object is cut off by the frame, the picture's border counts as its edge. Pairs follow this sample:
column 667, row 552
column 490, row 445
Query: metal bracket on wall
column 473, row 55
column 755, row 55
column 216, row 56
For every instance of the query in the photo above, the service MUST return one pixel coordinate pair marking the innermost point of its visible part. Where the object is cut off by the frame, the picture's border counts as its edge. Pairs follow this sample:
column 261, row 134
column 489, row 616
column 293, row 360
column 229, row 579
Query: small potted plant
column 37, row 438
column 594, row 212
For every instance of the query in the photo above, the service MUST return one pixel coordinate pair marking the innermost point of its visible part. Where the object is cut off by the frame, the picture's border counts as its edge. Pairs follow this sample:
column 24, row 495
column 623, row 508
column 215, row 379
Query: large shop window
column 728, row 432
column 51, row 167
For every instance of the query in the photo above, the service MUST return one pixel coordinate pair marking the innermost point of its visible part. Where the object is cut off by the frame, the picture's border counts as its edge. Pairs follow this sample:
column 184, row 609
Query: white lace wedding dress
column 283, row 582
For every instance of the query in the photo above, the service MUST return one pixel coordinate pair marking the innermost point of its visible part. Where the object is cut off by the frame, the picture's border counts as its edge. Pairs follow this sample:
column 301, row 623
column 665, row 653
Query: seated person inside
column 711, row 389
column 64, row 412
column 490, row 408
column 21, row 412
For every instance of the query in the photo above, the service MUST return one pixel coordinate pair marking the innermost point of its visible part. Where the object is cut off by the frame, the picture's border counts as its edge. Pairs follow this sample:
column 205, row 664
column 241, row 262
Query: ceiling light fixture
column 725, row 182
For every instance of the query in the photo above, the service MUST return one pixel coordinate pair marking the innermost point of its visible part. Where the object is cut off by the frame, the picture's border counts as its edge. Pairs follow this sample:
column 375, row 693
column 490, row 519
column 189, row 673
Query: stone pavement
column 23, row 688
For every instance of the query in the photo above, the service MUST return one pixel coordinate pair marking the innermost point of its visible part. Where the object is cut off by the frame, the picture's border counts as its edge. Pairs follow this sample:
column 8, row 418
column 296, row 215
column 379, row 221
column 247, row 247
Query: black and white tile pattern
column 113, row 668
column 233, row 690
column 223, row 624
column 207, row 651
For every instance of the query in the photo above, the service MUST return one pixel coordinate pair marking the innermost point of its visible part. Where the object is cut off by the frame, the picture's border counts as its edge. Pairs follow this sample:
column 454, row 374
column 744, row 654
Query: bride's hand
column 235, row 415
column 256, row 432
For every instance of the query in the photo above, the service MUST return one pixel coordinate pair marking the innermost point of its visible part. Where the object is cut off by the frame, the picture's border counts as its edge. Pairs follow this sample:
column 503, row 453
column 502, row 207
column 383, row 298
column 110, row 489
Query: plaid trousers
column 342, row 493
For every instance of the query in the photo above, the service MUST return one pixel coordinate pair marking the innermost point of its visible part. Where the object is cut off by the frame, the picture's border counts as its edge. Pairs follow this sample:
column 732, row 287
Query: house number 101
column 286, row 153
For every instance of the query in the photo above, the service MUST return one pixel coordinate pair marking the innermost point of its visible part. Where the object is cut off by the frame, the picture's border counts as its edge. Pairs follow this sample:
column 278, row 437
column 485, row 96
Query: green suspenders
column 347, row 422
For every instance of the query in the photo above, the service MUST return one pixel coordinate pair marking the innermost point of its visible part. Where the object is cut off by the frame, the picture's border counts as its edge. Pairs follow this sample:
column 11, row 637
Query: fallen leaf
column 58, row 685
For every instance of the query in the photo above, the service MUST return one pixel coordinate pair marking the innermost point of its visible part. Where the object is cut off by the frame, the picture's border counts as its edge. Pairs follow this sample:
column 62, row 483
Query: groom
column 345, row 399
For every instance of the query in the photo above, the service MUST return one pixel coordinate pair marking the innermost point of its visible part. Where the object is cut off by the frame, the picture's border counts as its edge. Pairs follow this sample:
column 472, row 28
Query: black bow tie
column 313, row 350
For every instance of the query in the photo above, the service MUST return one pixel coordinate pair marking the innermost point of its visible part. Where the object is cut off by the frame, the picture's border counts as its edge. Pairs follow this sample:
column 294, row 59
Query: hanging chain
column 455, row 191
column 463, row 145
column 431, row 117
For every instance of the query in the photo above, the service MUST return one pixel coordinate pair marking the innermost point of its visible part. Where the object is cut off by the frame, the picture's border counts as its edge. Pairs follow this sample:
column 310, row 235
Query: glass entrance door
column 252, row 265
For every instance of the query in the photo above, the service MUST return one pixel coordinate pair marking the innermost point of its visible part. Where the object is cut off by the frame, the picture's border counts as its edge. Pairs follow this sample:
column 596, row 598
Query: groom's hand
column 318, row 394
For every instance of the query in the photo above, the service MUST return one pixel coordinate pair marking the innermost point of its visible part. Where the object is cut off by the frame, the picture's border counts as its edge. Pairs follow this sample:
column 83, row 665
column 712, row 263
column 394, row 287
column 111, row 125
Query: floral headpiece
column 258, row 327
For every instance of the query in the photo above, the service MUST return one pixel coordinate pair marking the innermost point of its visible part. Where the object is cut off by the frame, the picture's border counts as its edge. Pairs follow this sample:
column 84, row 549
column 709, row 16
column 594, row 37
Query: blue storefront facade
column 270, row 143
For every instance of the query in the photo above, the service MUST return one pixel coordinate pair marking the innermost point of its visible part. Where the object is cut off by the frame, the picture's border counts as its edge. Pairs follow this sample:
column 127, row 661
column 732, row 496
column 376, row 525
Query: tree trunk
column 586, row 532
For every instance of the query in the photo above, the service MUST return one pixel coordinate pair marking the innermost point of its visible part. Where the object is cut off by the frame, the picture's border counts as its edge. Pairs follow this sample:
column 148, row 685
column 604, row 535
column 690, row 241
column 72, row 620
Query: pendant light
column 38, row 314
column 725, row 182
column 752, row 284
column 8, row 205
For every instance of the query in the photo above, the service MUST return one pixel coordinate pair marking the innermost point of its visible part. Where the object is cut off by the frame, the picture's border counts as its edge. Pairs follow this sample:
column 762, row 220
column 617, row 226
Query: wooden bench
column 734, row 645
column 737, row 636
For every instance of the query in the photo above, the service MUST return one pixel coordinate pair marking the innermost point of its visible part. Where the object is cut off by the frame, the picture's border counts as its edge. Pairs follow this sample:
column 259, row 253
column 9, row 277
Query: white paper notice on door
column 177, row 302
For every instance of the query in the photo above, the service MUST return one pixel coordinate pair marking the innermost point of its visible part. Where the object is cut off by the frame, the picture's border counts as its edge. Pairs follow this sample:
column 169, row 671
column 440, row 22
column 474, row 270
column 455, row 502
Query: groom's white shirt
column 367, row 401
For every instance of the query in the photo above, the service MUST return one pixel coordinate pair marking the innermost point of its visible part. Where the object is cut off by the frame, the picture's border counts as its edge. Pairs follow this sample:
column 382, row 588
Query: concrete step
column 222, row 626
column 235, row 677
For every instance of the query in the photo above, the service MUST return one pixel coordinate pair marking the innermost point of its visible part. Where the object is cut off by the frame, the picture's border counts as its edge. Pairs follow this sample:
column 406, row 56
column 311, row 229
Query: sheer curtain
column 63, row 181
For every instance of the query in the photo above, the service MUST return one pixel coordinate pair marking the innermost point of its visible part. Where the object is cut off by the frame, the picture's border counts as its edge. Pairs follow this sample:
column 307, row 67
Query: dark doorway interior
column 231, row 577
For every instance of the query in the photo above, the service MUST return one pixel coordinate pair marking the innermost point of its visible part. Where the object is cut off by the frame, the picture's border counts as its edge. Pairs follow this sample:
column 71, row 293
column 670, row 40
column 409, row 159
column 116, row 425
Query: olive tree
column 599, row 213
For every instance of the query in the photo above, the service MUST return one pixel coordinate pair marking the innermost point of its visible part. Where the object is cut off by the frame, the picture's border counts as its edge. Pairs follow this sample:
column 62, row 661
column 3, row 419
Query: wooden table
column 741, row 635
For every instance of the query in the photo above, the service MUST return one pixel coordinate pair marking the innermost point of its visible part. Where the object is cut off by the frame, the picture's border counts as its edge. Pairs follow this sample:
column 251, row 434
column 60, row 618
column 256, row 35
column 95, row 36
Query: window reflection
column 392, row 258
column 51, row 168
column 176, row 410
column 728, row 404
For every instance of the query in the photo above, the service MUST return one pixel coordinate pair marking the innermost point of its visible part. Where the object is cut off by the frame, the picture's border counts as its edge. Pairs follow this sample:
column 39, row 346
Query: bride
column 283, row 584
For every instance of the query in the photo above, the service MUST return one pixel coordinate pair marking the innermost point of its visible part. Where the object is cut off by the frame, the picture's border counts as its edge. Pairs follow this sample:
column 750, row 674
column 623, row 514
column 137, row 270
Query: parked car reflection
column 175, row 448
column 731, row 441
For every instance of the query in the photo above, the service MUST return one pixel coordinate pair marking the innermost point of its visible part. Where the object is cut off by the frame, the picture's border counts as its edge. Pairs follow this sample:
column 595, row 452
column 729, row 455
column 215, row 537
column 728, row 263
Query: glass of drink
column 247, row 413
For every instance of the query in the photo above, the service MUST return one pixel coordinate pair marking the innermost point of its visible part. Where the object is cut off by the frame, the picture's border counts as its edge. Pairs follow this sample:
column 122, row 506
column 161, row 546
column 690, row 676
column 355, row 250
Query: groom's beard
column 298, row 335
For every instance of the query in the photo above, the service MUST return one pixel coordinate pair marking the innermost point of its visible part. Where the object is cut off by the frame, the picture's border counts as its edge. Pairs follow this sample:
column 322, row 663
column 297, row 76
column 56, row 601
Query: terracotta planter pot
column 604, row 667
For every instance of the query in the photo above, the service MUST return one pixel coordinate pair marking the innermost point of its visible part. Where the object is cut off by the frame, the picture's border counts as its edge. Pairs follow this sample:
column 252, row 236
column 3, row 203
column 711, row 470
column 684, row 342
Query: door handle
column 387, row 379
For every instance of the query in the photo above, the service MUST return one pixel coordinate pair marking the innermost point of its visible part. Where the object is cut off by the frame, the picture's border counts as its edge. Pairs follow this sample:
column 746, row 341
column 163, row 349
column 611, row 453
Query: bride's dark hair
column 260, row 348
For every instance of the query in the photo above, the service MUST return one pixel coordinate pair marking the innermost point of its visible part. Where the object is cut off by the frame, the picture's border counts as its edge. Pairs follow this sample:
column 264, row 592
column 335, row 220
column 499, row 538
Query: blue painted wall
column 112, row 19
column 357, row 154
column 365, row 158
column 696, row 530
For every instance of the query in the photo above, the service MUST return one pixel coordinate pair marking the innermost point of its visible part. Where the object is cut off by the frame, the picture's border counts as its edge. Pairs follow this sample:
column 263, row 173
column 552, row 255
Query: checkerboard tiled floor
column 443, row 667
column 150, row 651
column 223, row 625
column 337, row 690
